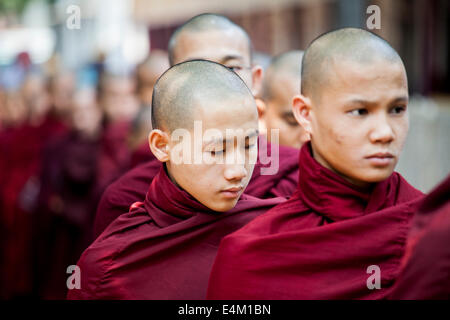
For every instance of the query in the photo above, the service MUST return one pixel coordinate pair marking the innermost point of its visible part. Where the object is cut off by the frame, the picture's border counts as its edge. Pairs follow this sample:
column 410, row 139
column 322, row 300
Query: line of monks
column 222, row 228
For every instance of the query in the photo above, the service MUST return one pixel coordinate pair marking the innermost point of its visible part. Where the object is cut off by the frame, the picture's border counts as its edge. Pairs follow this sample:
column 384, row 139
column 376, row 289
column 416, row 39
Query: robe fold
column 163, row 248
column 426, row 274
column 132, row 186
column 320, row 243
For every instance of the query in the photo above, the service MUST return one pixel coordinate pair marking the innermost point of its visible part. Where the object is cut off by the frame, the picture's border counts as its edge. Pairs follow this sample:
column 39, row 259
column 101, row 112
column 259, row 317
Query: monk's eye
column 358, row 112
column 290, row 120
column 398, row 109
column 234, row 68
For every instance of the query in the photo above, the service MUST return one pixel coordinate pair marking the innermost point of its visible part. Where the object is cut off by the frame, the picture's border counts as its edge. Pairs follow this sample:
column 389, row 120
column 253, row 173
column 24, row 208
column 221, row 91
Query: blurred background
column 75, row 84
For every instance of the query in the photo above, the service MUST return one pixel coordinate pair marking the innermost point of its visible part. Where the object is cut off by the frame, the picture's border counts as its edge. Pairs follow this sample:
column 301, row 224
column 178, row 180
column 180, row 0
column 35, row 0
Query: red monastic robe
column 426, row 274
column 63, row 218
column 142, row 154
column 320, row 243
column 131, row 187
column 114, row 155
column 18, row 195
column 162, row 249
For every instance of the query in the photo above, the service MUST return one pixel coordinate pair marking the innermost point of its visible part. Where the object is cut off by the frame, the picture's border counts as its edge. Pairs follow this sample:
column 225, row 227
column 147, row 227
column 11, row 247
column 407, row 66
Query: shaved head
column 348, row 44
column 281, row 83
column 155, row 59
column 153, row 66
column 204, row 23
column 285, row 65
column 188, row 84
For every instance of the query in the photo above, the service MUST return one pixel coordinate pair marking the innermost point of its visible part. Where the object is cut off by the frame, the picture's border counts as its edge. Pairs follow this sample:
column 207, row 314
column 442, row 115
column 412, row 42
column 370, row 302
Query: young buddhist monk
column 281, row 83
column 164, row 248
column 343, row 232
column 216, row 38
column 146, row 74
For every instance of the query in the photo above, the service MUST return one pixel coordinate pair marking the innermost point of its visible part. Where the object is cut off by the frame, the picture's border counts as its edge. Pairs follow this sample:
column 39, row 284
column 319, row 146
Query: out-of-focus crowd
column 64, row 136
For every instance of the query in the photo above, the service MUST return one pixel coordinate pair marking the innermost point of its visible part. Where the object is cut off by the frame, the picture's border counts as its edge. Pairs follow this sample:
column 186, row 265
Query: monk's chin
column 373, row 175
column 224, row 206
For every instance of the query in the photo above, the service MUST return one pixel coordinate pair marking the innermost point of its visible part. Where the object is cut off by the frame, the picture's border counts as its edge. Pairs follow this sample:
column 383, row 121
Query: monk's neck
column 363, row 185
column 170, row 175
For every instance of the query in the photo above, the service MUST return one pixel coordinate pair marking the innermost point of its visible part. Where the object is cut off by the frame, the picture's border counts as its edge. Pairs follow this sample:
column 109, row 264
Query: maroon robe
column 141, row 155
column 18, row 197
column 426, row 274
column 163, row 249
column 131, row 187
column 319, row 243
column 122, row 193
column 115, row 154
column 63, row 219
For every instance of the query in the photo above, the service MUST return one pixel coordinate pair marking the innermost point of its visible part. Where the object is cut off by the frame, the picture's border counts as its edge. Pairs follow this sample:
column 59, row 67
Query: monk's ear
column 257, row 76
column 301, row 108
column 159, row 144
column 261, row 107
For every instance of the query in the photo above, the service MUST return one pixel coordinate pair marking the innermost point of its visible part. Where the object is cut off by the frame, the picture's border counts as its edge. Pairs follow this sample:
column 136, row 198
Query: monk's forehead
column 228, row 112
column 214, row 44
column 231, row 102
column 347, row 80
column 341, row 74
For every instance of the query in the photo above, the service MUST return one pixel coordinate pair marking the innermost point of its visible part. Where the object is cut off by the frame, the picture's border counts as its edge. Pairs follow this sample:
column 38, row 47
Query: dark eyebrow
column 251, row 135
column 287, row 114
column 231, row 57
column 400, row 99
column 371, row 103
column 362, row 102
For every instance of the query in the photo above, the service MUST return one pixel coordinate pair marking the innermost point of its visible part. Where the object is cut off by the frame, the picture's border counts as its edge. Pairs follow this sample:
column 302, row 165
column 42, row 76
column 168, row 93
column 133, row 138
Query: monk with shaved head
column 281, row 83
column 342, row 234
column 147, row 73
column 165, row 246
column 216, row 38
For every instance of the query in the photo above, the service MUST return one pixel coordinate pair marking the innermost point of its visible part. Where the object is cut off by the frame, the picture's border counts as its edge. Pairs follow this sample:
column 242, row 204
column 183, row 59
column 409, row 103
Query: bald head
column 284, row 66
column 348, row 44
column 204, row 23
column 181, row 89
column 155, row 64
column 148, row 72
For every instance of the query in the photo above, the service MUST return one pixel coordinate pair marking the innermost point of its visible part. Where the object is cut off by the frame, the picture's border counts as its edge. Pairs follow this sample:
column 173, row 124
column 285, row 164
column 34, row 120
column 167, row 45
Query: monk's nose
column 235, row 172
column 382, row 131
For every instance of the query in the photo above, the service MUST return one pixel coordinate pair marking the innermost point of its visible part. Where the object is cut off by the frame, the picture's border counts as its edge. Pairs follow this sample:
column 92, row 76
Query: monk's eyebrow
column 213, row 141
column 369, row 103
column 231, row 57
column 287, row 114
column 402, row 99
column 361, row 102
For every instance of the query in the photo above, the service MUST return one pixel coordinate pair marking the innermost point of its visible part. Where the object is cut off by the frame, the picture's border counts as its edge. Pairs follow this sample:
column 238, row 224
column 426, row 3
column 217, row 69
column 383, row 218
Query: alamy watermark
column 374, row 281
column 374, row 20
column 74, row 280
column 73, row 21
column 234, row 146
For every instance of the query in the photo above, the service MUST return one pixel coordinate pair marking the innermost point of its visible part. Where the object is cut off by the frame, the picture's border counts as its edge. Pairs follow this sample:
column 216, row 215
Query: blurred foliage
column 17, row 6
